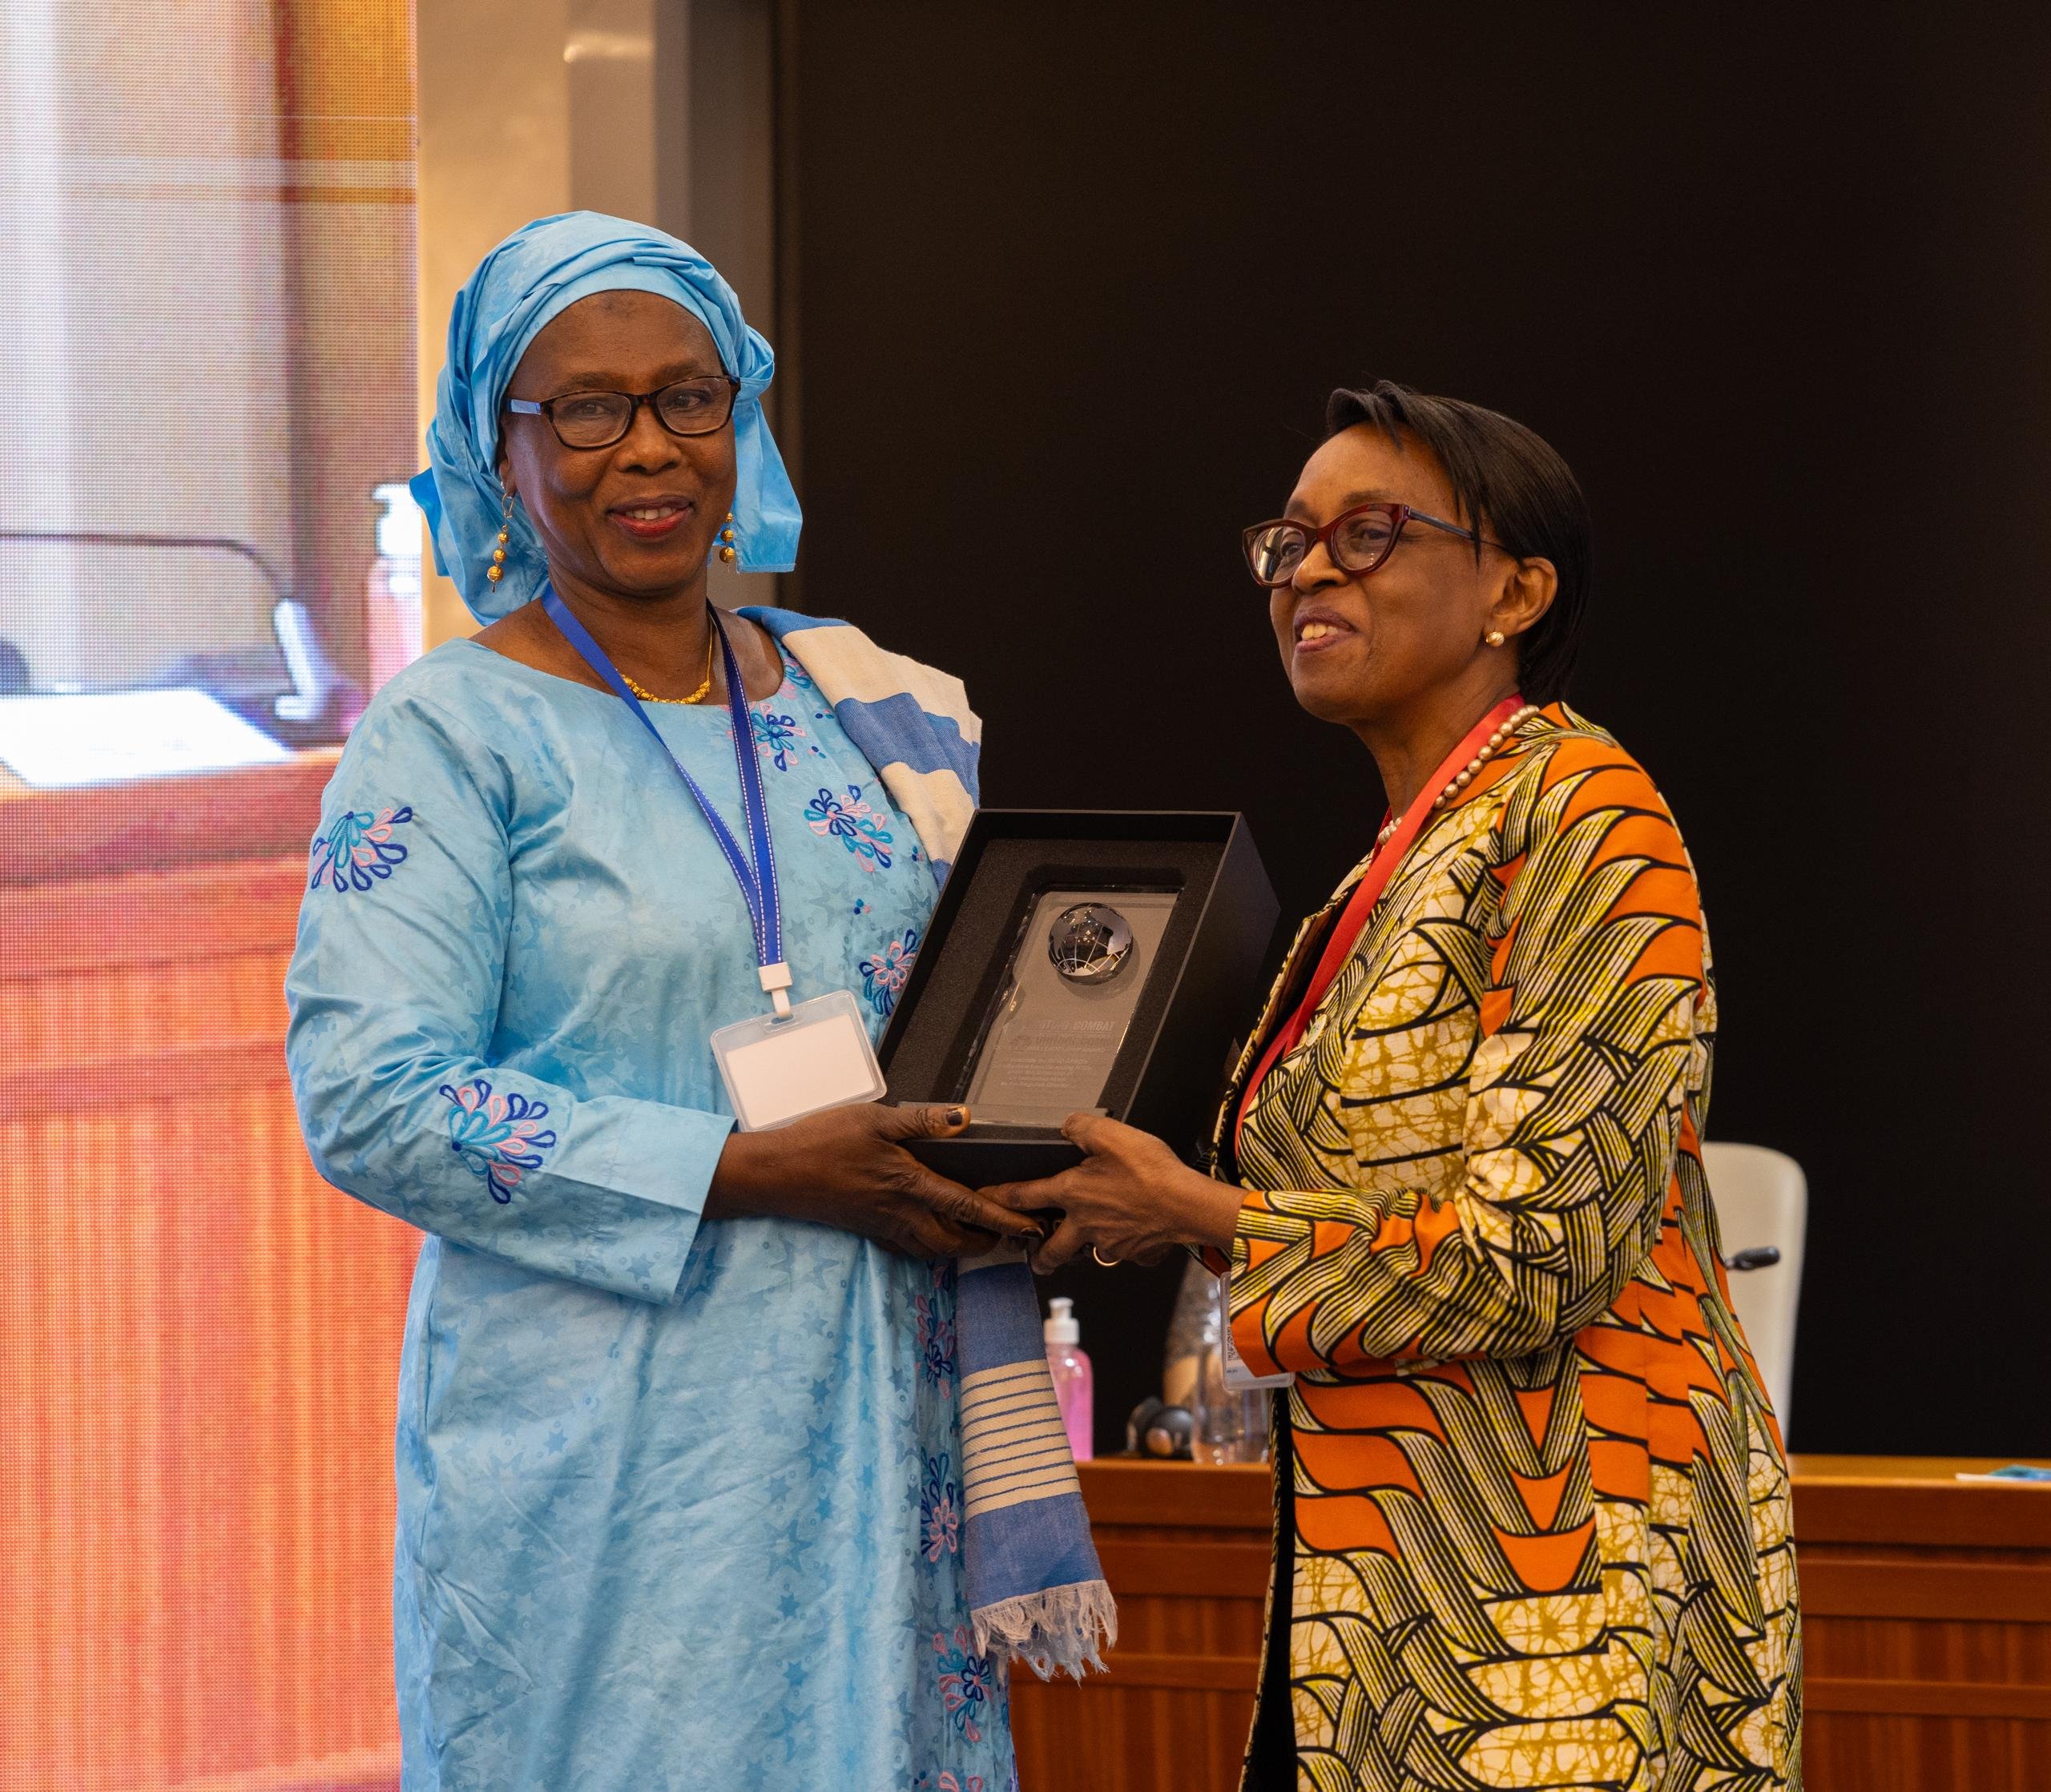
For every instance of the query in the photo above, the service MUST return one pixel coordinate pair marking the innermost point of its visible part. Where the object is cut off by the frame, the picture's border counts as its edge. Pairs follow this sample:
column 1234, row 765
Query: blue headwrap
column 533, row 277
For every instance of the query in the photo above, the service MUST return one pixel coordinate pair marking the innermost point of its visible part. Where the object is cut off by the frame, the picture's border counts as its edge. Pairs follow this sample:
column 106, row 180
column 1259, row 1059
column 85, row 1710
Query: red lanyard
column 1381, row 867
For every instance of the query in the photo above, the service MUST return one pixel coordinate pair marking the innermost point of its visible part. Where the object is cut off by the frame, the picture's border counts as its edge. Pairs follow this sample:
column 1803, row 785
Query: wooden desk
column 1926, row 1603
column 203, row 1338
column 1926, row 1609
column 1185, row 1549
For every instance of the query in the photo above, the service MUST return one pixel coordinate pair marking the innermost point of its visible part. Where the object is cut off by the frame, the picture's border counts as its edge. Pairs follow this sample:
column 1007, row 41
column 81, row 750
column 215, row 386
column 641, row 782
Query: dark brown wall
column 1778, row 283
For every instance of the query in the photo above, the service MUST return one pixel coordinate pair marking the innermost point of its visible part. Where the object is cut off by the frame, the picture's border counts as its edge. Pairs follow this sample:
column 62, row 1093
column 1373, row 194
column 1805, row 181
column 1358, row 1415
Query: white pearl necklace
column 1465, row 776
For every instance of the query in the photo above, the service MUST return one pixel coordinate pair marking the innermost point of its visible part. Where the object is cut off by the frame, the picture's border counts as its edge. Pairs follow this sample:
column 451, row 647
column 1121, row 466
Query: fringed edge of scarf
column 1062, row 1629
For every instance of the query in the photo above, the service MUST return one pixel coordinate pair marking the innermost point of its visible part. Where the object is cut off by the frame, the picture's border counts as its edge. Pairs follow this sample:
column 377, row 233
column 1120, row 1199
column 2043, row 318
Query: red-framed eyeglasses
column 1358, row 540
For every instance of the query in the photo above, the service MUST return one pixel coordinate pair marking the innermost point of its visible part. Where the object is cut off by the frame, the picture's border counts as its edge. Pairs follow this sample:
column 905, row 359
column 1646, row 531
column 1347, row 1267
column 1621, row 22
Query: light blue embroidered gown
column 679, row 1500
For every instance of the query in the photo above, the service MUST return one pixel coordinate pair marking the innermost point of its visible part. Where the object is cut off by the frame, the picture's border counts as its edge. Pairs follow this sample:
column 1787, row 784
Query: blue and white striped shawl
column 912, row 723
column 1036, row 1592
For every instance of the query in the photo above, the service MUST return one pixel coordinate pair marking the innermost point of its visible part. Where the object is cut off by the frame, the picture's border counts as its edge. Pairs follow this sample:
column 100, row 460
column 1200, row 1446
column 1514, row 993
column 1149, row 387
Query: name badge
column 1238, row 1376
column 778, row 1068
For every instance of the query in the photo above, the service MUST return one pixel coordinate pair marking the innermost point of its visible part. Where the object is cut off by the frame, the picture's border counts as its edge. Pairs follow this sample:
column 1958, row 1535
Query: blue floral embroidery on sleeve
column 883, row 972
column 940, row 1508
column 357, row 849
column 499, row 1136
column 851, row 821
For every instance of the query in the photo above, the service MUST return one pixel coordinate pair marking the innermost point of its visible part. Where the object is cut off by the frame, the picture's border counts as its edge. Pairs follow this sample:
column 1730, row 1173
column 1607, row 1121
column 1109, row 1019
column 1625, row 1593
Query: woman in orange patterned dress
column 1532, row 1500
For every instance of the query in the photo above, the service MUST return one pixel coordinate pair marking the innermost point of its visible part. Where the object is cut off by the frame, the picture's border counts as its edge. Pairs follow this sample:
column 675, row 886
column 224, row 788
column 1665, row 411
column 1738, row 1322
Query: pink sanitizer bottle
column 1070, row 1369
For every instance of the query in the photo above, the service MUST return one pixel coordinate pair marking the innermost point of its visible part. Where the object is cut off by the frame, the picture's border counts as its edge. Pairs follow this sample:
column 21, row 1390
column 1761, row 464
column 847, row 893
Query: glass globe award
column 1078, row 971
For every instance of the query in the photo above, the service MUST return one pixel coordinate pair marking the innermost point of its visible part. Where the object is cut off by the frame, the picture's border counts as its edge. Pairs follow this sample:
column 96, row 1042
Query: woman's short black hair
column 1511, row 487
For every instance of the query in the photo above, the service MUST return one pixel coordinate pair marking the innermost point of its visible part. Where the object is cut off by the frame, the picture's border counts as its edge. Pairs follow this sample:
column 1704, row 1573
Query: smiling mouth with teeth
column 1316, row 631
column 652, row 515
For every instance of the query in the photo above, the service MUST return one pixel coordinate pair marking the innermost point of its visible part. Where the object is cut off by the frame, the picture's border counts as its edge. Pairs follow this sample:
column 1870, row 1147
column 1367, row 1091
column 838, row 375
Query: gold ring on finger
column 1108, row 1263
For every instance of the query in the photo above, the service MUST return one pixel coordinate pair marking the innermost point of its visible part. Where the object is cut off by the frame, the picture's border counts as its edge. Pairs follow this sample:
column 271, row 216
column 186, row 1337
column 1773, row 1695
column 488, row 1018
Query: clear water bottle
column 1194, row 1318
column 1231, row 1422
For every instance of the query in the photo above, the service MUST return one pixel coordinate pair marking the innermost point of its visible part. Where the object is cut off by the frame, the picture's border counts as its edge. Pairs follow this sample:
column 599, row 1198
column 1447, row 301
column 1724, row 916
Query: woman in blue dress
column 679, row 1468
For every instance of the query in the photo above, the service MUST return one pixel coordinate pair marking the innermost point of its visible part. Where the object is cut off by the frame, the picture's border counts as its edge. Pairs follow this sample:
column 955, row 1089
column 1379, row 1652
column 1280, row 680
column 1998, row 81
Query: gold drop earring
column 726, row 550
column 496, row 569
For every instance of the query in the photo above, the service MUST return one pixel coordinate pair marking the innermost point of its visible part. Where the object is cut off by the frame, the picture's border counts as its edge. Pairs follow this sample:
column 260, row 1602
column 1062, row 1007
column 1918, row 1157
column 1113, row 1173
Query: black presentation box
column 1080, row 959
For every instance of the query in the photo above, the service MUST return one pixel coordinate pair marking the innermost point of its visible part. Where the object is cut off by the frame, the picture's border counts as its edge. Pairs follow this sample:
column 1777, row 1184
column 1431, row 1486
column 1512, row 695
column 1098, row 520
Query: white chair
column 1762, row 1204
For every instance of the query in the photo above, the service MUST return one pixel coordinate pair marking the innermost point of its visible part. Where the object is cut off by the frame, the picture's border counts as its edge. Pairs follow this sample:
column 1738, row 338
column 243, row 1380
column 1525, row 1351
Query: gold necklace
column 1465, row 776
column 647, row 696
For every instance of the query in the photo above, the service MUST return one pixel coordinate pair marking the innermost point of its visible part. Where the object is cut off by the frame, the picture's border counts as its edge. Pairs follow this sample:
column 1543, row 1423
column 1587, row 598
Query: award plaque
column 1080, row 961
column 1067, row 1003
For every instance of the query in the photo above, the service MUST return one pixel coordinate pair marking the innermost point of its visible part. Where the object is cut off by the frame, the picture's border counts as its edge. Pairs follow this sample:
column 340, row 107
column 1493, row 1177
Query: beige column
column 494, row 152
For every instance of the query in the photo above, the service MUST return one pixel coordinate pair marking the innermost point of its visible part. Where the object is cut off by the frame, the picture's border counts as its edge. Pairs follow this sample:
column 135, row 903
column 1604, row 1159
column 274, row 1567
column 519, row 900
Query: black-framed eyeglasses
column 1358, row 540
column 695, row 407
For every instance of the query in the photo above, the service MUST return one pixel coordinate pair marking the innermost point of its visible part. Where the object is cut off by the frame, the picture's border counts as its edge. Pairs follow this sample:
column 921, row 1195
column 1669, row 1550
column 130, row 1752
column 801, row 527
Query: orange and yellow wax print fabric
column 1540, row 1506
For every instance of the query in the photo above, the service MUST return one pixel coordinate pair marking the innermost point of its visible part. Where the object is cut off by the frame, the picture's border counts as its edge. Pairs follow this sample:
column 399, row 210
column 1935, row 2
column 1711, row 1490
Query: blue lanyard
column 754, row 871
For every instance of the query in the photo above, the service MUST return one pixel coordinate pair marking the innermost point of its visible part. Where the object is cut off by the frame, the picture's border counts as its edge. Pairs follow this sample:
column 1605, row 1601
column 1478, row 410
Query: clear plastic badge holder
column 1238, row 1376
column 778, row 1068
